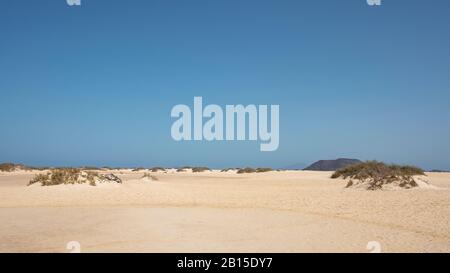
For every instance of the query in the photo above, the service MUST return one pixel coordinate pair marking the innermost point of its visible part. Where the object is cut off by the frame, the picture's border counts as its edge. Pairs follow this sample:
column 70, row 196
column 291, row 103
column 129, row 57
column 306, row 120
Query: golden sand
column 289, row 211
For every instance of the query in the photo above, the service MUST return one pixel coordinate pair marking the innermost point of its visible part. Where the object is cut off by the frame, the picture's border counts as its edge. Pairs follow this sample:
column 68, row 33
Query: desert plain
column 213, row 211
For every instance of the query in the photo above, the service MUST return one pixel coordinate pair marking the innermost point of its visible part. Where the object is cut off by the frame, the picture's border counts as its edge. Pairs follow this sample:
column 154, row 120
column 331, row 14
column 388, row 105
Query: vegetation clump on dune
column 7, row 167
column 10, row 167
column 148, row 176
column 252, row 170
column 67, row 176
column 200, row 169
column 229, row 169
column 246, row 170
column 374, row 175
column 156, row 169
column 183, row 169
column 263, row 170
column 194, row 169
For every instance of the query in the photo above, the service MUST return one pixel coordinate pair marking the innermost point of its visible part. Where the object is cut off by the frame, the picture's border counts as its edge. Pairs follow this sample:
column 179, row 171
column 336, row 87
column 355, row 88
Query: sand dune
column 289, row 211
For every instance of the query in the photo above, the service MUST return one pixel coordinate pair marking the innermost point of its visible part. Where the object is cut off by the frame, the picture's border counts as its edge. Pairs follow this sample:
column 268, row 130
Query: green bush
column 156, row 169
column 149, row 176
column 374, row 169
column 229, row 169
column 263, row 170
column 378, row 174
column 252, row 170
column 40, row 178
column 10, row 167
column 200, row 169
column 62, row 176
column 246, row 170
column 7, row 167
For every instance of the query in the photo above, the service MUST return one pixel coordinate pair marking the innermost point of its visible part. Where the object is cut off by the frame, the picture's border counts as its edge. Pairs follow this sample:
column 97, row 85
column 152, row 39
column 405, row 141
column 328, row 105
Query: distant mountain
column 332, row 165
column 438, row 171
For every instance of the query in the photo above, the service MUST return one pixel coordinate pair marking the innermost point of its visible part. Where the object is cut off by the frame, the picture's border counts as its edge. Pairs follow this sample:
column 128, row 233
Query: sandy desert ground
column 289, row 211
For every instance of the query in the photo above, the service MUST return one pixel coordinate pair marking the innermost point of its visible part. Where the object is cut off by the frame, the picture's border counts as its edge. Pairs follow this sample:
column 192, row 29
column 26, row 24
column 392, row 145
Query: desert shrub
column 372, row 169
column 229, row 169
column 40, row 178
column 138, row 169
column 377, row 174
column 194, row 169
column 91, row 168
column 10, row 167
column 65, row 176
column 156, row 169
column 68, row 176
column 40, row 168
column 108, row 178
column 407, row 170
column 252, row 170
column 200, row 169
column 7, row 167
column 149, row 176
column 246, row 170
column 263, row 170
column 184, row 168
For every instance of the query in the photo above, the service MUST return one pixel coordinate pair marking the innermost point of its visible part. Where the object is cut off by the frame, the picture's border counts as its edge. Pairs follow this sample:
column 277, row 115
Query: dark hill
column 332, row 165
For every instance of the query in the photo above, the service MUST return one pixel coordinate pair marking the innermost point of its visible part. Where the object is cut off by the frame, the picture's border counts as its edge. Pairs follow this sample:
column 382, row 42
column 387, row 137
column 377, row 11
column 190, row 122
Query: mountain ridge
column 332, row 165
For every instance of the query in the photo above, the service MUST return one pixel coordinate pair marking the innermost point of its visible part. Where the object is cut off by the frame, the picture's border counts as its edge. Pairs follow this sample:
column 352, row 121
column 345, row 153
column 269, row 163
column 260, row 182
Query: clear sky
column 95, row 84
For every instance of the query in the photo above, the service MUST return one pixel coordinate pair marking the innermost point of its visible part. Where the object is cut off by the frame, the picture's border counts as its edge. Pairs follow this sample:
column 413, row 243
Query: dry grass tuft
column 200, row 169
column 70, row 176
column 150, row 177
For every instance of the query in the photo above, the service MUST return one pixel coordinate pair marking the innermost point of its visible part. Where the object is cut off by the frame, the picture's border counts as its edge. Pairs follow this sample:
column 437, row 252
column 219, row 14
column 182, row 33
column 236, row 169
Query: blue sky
column 94, row 85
